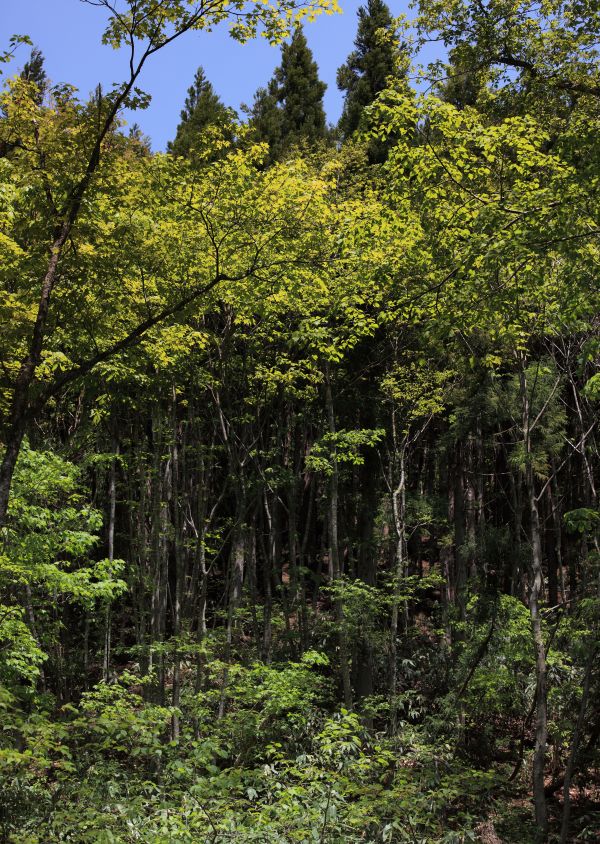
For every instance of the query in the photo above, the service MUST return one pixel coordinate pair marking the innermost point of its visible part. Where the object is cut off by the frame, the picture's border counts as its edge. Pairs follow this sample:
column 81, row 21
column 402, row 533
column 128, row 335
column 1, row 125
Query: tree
column 289, row 111
column 463, row 81
column 546, row 54
column 340, row 425
column 145, row 30
column 265, row 118
column 369, row 66
column 202, row 108
column 141, row 144
column 48, row 551
column 34, row 72
column 14, row 41
column 300, row 93
column 523, row 260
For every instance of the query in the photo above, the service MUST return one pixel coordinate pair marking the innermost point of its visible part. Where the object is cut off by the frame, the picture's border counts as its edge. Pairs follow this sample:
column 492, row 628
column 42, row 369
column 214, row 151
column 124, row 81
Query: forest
column 299, row 517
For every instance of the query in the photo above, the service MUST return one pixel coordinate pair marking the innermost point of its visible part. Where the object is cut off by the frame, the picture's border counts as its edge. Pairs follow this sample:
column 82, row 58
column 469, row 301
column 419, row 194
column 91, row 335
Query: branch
column 132, row 339
column 562, row 84
column 575, row 448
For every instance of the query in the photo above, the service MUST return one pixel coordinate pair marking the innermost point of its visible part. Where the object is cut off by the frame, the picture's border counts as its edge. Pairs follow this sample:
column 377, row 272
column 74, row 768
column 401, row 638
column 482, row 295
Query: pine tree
column 265, row 118
column 368, row 67
column 465, row 77
column 203, row 107
column 139, row 143
column 34, row 72
column 289, row 111
column 300, row 92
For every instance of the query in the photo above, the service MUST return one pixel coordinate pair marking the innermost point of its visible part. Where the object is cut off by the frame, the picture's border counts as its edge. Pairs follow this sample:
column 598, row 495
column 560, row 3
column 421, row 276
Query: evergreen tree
column 290, row 110
column 203, row 107
column 470, row 81
column 464, row 79
column 139, row 142
column 368, row 67
column 300, row 92
column 34, row 72
column 265, row 118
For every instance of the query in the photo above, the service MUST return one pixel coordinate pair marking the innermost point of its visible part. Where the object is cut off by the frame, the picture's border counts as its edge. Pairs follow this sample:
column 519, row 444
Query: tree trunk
column 179, row 570
column 334, row 559
column 535, row 595
column 20, row 410
column 112, row 510
column 236, row 581
column 399, row 510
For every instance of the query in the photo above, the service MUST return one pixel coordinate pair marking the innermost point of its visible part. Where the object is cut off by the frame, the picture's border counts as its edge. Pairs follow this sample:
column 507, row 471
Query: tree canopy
column 368, row 68
column 289, row 111
column 299, row 516
column 203, row 108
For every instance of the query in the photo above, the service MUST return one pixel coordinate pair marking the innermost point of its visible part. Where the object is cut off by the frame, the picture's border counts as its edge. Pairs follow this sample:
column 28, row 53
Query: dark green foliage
column 368, row 67
column 203, row 108
column 300, row 93
column 34, row 72
column 279, row 767
column 265, row 118
column 289, row 111
column 316, row 556
column 463, row 80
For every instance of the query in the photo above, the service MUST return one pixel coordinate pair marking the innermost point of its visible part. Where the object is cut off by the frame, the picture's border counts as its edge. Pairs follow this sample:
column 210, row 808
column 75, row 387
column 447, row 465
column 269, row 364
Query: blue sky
column 68, row 32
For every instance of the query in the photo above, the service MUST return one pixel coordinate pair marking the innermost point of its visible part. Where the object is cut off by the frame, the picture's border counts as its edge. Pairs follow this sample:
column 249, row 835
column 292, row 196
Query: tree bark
column 399, row 510
column 334, row 558
column 535, row 595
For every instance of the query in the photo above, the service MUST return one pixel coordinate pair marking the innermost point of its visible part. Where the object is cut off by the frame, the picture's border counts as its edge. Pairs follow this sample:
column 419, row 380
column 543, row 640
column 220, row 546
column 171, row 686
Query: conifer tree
column 300, row 92
column 140, row 143
column 203, row 107
column 290, row 110
column 34, row 72
column 369, row 66
column 265, row 117
column 465, row 77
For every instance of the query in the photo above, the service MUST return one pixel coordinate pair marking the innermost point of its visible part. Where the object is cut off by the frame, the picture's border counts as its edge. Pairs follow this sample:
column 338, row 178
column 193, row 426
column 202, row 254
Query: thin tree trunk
column 236, row 581
column 399, row 511
column 179, row 572
column 535, row 595
column 112, row 510
column 576, row 740
column 334, row 559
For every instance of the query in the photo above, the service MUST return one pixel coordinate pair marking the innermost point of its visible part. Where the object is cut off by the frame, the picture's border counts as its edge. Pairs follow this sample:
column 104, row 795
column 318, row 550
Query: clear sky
column 68, row 32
